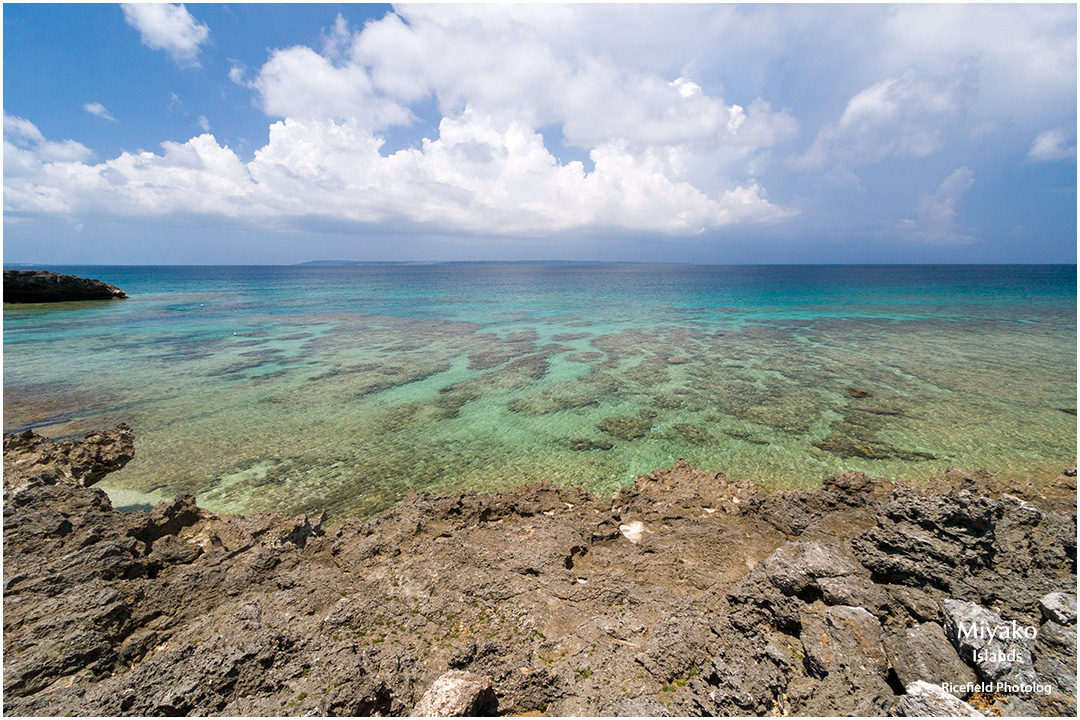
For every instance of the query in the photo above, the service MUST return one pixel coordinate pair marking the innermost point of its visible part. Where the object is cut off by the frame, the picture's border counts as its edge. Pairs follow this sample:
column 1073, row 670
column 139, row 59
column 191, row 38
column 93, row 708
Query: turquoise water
column 304, row 388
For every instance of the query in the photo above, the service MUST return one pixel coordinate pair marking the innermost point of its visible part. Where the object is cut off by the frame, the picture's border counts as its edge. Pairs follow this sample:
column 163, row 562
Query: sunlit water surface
column 304, row 388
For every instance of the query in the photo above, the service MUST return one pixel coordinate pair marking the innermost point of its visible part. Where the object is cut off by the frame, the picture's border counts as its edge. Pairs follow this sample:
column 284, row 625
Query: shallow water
column 343, row 388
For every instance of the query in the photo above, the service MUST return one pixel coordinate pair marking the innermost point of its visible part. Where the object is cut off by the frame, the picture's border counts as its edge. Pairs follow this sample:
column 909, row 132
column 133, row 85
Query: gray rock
column 844, row 648
column 923, row 653
column 458, row 694
column 1055, row 656
column 852, row 638
column 928, row 541
column 998, row 551
column 1019, row 707
column 853, row 590
column 756, row 602
column 925, row 699
column 171, row 550
column 1059, row 607
column 745, row 678
column 796, row 566
column 989, row 643
column 915, row 602
column 462, row 656
column 639, row 707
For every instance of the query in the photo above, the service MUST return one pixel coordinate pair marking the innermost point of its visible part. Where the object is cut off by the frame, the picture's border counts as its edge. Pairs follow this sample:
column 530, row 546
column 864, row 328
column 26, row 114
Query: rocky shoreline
column 40, row 286
column 685, row 594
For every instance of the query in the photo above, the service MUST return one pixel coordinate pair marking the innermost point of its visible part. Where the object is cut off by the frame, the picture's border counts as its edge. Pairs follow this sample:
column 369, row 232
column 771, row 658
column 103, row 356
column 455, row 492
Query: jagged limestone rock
column 458, row 694
column 925, row 699
column 999, row 650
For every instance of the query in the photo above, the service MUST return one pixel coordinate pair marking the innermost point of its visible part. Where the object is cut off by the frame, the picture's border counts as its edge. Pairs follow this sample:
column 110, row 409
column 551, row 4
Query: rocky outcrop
column 998, row 650
column 685, row 594
column 31, row 458
column 922, row 653
column 1059, row 607
column 1055, row 647
column 458, row 694
column 38, row 286
column 928, row 700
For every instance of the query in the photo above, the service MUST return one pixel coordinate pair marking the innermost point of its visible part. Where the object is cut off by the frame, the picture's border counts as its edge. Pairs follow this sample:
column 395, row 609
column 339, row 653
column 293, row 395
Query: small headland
column 687, row 593
column 39, row 286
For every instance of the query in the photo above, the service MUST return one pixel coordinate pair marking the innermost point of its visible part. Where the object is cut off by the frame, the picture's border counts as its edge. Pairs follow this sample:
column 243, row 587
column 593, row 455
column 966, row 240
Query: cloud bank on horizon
column 690, row 127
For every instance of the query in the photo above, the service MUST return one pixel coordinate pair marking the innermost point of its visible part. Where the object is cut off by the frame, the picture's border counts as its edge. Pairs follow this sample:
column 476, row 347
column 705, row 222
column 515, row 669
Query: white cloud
column 1026, row 51
column 167, row 27
column 497, row 64
column 23, row 135
column 21, row 130
column 299, row 82
column 509, row 65
column 237, row 73
column 667, row 155
column 96, row 108
column 940, row 208
column 1015, row 66
column 478, row 176
column 1053, row 145
column 664, row 102
column 897, row 117
column 515, row 61
column 936, row 221
column 27, row 154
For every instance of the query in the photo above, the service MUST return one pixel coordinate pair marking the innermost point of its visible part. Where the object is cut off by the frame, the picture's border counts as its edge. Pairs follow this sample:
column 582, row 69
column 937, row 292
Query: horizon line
column 355, row 263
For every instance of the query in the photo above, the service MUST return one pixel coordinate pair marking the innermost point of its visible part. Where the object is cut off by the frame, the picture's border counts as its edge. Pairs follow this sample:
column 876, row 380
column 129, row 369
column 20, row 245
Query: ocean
column 311, row 387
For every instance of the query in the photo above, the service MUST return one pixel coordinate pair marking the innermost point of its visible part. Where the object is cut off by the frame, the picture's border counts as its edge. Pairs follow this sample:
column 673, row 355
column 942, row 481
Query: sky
column 283, row 133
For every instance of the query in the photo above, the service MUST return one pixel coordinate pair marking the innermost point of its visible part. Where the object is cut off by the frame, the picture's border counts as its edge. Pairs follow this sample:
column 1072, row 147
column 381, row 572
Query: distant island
column 351, row 263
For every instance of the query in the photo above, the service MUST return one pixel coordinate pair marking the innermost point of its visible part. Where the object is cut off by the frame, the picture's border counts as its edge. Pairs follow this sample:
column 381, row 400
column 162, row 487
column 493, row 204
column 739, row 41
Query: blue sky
column 282, row 133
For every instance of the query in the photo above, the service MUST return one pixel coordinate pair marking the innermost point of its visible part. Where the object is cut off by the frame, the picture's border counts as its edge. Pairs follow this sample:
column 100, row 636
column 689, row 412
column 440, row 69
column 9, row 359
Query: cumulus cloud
column 512, row 60
column 96, row 108
column 900, row 117
column 1053, row 145
column 667, row 155
column 477, row 176
column 22, row 136
column 496, row 63
column 299, row 82
column 936, row 221
column 27, row 154
column 505, row 64
column 167, row 27
column 672, row 149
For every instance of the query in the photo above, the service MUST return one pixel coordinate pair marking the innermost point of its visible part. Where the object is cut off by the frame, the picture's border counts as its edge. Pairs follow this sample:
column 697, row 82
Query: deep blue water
column 417, row 289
